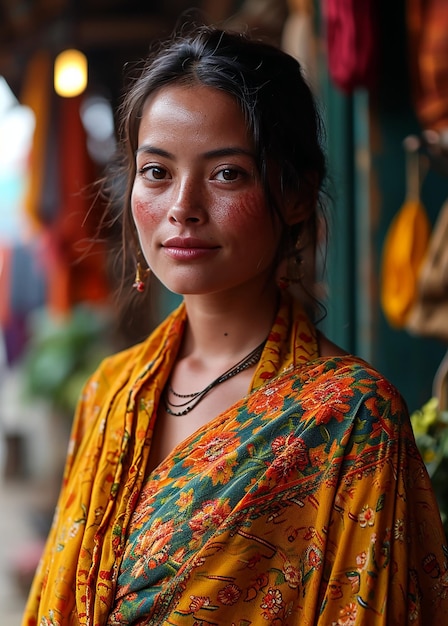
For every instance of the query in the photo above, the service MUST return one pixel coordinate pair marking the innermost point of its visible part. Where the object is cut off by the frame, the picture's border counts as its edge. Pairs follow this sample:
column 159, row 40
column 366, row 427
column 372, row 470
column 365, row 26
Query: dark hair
column 276, row 101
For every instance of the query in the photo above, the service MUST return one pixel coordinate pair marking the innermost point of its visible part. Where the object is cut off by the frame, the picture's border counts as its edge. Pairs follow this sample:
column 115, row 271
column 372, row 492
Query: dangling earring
column 140, row 277
column 294, row 269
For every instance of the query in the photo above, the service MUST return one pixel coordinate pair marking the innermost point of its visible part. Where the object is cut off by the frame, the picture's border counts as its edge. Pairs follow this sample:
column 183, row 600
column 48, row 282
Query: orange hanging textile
column 427, row 26
column 404, row 250
column 36, row 94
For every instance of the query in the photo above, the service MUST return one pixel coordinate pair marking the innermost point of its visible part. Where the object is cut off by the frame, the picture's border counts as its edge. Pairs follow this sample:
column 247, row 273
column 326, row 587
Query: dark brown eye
column 157, row 173
column 228, row 174
column 153, row 173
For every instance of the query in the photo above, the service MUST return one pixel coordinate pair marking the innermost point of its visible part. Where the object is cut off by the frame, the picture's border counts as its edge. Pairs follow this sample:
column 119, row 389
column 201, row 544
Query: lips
column 188, row 248
column 188, row 242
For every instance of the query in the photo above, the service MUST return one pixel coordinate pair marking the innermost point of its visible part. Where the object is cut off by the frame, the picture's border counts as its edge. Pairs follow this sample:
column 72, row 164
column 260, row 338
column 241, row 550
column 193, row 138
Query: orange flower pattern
column 215, row 456
column 305, row 503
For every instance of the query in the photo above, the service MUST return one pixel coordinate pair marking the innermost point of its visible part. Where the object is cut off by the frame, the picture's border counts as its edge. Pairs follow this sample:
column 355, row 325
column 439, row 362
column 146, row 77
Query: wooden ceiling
column 123, row 28
column 94, row 25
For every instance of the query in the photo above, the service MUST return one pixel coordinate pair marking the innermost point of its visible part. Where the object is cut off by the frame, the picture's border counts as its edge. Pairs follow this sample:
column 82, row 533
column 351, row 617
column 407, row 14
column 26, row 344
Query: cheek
column 250, row 214
column 144, row 215
column 248, row 209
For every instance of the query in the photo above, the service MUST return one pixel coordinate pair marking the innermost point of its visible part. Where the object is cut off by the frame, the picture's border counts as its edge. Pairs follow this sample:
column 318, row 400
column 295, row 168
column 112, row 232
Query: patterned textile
column 304, row 503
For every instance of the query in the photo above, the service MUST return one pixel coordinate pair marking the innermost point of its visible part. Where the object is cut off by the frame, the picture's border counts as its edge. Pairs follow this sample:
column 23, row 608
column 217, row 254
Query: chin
column 185, row 283
column 188, row 287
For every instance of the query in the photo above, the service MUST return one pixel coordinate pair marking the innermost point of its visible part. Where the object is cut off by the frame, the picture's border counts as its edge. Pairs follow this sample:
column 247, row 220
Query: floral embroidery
column 208, row 517
column 290, row 454
column 361, row 559
column 272, row 396
column 197, row 602
column 431, row 565
column 314, row 557
column 335, row 590
column 348, row 615
column 292, row 575
column 272, row 603
column 215, row 456
column 327, row 400
column 366, row 517
column 152, row 550
column 229, row 595
column 399, row 528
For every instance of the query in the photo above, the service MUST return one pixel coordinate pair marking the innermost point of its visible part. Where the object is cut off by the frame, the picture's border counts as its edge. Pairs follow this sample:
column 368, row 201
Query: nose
column 188, row 203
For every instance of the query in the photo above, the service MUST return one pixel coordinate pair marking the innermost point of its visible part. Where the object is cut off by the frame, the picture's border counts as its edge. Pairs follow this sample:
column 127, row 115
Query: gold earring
column 140, row 277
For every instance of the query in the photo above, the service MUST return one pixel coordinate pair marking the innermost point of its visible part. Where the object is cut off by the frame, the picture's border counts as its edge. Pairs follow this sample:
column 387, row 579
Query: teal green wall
column 367, row 167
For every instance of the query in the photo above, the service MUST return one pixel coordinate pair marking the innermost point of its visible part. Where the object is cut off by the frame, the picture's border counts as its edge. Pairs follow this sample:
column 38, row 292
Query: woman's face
column 197, row 200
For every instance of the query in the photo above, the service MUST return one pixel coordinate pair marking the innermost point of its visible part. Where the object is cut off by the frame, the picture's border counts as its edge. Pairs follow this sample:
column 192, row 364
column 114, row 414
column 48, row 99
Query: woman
column 235, row 467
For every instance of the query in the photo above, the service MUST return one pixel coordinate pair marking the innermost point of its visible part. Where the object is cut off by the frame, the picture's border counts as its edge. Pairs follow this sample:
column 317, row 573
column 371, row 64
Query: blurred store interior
column 380, row 72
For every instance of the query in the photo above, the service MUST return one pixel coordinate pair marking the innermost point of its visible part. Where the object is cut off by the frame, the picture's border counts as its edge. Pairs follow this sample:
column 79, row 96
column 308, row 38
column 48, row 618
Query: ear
column 297, row 211
column 300, row 205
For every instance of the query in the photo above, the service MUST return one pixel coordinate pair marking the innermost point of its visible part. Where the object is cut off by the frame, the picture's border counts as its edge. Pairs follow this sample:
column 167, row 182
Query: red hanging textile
column 352, row 36
column 77, row 271
column 5, row 283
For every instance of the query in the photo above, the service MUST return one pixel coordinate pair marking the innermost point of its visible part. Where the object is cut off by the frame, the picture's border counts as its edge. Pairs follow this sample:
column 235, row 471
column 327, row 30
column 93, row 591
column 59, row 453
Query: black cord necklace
column 190, row 400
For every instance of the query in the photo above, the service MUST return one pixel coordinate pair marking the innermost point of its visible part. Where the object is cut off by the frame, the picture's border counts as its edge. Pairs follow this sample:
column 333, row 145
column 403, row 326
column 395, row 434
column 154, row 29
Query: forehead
column 191, row 91
column 193, row 108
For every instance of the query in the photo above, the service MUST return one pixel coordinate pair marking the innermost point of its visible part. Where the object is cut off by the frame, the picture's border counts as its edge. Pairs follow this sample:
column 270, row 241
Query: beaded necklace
column 190, row 400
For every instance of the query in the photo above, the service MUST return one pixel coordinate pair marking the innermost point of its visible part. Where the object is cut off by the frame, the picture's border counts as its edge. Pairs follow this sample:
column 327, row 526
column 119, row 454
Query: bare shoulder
column 328, row 348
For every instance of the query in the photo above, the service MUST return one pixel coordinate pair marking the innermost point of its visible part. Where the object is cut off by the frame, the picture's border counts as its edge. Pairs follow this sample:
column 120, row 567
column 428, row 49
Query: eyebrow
column 219, row 152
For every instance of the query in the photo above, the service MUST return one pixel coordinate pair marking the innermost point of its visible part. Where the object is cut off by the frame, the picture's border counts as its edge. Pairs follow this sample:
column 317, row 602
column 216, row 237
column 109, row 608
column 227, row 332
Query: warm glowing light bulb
column 70, row 73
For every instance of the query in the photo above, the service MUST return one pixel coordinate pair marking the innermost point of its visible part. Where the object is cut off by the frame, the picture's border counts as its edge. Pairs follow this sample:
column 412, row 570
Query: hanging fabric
column 427, row 24
column 75, row 260
column 22, row 286
column 27, row 283
column 352, row 42
column 429, row 315
column 36, row 94
column 404, row 248
column 298, row 37
column 50, row 200
column 5, row 283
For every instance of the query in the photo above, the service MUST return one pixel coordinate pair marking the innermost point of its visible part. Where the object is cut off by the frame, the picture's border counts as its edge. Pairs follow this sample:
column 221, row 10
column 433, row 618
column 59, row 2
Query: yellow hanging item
column 404, row 250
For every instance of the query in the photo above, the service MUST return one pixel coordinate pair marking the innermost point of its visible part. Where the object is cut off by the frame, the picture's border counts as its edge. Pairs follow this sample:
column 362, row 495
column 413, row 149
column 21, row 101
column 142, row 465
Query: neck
column 226, row 327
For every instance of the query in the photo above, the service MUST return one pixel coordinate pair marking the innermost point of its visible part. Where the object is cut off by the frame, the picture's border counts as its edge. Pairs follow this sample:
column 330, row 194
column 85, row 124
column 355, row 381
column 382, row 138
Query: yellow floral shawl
column 305, row 503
